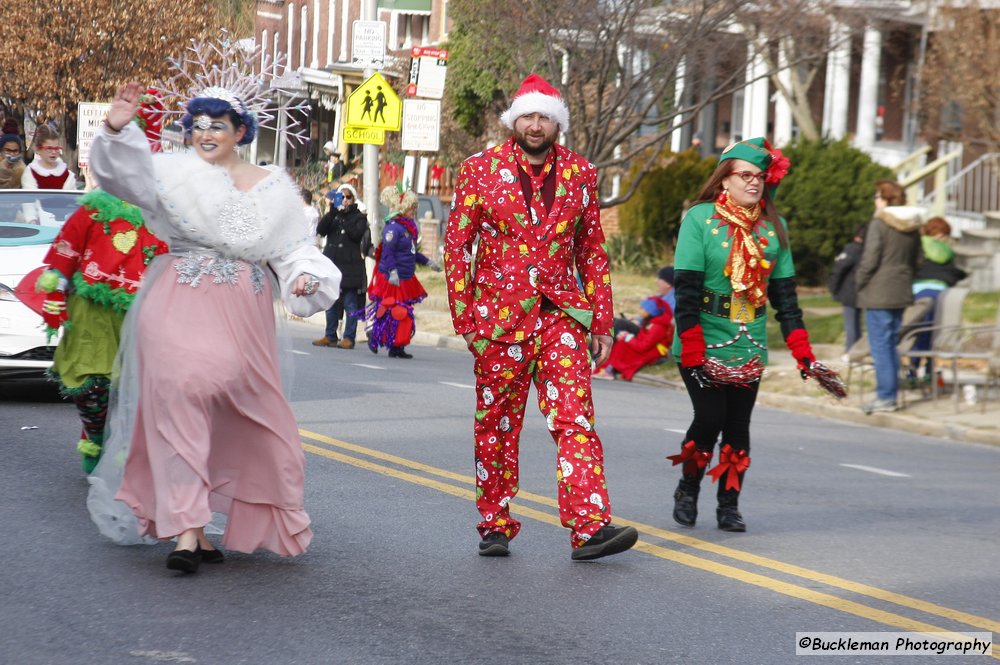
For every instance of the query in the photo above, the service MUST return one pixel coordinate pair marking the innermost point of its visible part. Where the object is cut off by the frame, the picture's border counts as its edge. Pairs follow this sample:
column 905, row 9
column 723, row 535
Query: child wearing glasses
column 47, row 170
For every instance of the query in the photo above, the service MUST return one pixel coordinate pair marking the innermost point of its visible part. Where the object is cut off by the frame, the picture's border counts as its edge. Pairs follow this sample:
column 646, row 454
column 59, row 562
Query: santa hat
column 536, row 95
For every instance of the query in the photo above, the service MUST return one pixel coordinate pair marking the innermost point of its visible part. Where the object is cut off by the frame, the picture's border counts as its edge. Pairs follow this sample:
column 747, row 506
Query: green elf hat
column 759, row 152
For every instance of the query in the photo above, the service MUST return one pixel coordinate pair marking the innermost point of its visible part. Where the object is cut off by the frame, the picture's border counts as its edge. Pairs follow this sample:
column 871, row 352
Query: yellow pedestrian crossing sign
column 375, row 105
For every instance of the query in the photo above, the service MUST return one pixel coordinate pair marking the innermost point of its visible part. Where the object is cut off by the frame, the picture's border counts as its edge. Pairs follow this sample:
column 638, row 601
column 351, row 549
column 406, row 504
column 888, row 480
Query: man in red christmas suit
column 533, row 205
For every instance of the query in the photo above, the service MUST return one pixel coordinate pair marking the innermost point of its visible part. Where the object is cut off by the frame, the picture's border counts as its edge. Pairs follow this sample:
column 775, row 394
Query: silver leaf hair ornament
column 225, row 69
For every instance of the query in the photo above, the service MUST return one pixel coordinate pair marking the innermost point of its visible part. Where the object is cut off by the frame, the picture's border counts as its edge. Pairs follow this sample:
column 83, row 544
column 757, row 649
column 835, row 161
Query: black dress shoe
column 399, row 352
column 495, row 544
column 730, row 519
column 185, row 561
column 212, row 556
column 685, row 507
column 609, row 540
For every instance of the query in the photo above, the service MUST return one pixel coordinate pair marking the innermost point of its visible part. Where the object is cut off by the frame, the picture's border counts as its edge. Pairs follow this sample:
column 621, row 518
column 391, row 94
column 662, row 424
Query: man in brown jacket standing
column 884, row 281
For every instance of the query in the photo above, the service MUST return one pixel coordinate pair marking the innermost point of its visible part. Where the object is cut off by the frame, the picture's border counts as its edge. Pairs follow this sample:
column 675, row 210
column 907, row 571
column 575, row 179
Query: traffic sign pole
column 370, row 156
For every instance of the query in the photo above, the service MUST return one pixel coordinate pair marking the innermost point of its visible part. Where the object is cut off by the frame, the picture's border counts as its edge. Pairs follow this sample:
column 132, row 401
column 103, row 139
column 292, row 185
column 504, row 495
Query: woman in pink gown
column 200, row 408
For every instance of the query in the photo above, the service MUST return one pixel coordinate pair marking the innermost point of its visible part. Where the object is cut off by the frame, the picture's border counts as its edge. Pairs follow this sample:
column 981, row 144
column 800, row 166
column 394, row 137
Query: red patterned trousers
column 556, row 359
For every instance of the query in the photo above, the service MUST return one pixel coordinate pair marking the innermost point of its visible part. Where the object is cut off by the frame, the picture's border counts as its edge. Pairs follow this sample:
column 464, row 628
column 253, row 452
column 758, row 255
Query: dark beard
column 540, row 150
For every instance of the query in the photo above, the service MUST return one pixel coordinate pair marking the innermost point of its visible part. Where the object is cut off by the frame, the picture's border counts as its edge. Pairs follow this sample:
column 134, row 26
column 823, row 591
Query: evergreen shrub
column 650, row 219
column 828, row 191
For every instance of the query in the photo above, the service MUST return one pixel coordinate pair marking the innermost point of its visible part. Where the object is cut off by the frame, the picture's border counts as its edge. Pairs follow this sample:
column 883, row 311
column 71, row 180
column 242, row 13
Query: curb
column 824, row 408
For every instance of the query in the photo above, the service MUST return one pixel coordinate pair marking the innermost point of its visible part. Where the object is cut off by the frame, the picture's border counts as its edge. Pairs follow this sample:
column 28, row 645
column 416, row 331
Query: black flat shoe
column 212, row 556
column 494, row 544
column 185, row 561
column 609, row 540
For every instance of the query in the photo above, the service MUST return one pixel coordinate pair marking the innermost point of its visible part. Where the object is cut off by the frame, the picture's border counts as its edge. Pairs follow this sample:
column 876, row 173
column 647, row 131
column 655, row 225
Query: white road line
column 871, row 469
column 300, row 353
column 367, row 366
column 457, row 385
column 678, row 431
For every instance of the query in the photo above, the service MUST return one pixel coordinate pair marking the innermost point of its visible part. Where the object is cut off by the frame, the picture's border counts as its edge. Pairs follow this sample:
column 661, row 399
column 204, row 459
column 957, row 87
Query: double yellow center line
column 402, row 468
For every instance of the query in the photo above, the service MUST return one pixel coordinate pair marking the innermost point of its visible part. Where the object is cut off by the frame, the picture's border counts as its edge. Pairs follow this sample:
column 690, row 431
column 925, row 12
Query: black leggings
column 724, row 410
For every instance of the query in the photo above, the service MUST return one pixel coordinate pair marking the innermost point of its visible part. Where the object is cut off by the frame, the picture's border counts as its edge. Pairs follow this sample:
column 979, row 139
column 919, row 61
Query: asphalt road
column 850, row 528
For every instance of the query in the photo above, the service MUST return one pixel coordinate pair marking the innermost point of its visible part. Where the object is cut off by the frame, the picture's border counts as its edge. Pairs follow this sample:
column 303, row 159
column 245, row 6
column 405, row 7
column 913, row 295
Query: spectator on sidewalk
column 650, row 343
column 649, row 307
column 312, row 215
column 937, row 272
column 335, row 168
column 884, row 280
column 344, row 228
column 844, row 290
column 12, row 164
column 47, row 170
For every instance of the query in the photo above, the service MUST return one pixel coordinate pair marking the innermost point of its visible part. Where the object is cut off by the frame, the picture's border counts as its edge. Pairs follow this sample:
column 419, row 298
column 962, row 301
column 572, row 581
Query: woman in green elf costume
column 732, row 264
column 94, row 269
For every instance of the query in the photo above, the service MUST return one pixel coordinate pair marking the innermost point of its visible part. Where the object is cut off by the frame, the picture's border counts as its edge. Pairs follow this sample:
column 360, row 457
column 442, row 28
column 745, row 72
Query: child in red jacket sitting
column 652, row 341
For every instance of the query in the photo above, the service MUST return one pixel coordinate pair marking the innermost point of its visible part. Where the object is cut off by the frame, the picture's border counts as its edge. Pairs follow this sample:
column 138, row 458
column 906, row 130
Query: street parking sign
column 368, row 44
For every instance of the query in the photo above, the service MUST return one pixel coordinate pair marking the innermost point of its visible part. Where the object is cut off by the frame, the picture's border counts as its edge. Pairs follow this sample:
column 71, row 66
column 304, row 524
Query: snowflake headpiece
column 224, row 70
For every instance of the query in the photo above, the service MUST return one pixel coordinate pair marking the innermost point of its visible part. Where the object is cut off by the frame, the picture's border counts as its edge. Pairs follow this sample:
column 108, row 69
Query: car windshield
column 22, row 206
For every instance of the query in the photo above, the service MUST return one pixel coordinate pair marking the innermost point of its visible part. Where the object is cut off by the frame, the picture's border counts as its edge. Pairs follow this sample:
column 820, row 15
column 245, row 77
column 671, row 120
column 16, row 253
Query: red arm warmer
column 692, row 347
column 798, row 344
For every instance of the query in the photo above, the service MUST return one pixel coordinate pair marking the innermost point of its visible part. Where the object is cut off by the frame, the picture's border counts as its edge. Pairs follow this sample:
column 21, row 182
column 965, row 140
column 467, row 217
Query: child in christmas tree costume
column 95, row 266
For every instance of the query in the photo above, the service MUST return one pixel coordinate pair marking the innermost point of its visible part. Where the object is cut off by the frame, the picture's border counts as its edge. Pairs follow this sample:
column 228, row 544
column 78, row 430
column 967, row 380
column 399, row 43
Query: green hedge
column 828, row 191
column 651, row 218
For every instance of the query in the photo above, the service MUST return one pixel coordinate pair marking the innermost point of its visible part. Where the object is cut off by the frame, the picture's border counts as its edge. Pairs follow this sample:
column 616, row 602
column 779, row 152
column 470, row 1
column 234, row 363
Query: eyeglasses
column 349, row 196
column 749, row 176
column 51, row 148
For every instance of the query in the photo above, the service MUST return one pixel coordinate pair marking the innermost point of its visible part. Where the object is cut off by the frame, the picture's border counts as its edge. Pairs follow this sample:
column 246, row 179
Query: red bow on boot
column 733, row 462
column 692, row 458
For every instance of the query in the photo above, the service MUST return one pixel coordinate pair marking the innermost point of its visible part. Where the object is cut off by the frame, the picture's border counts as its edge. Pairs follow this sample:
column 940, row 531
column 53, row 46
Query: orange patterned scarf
column 746, row 265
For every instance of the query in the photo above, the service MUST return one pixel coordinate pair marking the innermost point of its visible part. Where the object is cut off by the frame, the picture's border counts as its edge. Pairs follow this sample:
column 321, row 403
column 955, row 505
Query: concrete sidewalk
column 942, row 418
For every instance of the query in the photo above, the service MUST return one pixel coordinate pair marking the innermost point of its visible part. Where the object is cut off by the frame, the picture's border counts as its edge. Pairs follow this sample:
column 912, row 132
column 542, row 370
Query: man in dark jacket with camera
column 344, row 227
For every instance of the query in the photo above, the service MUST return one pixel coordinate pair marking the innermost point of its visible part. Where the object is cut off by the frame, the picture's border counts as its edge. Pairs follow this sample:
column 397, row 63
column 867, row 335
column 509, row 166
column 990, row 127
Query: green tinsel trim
column 52, row 332
column 100, row 293
column 149, row 251
column 108, row 208
column 91, row 382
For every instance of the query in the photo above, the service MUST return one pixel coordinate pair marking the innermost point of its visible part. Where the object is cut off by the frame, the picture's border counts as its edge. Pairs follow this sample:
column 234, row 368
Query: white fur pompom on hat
column 536, row 95
column 397, row 200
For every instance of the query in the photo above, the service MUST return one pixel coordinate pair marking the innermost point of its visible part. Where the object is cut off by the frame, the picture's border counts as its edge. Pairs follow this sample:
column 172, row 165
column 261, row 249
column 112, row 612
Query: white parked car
column 29, row 221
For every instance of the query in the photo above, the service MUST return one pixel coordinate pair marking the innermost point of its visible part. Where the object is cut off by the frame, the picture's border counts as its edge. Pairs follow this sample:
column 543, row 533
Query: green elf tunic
column 703, row 245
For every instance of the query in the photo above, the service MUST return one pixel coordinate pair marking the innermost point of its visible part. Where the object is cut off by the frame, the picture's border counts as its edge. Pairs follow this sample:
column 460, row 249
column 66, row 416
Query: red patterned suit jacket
column 519, row 263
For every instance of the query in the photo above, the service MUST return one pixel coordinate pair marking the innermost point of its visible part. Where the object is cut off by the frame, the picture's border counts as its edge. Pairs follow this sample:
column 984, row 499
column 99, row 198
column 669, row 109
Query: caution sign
column 364, row 135
column 375, row 105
